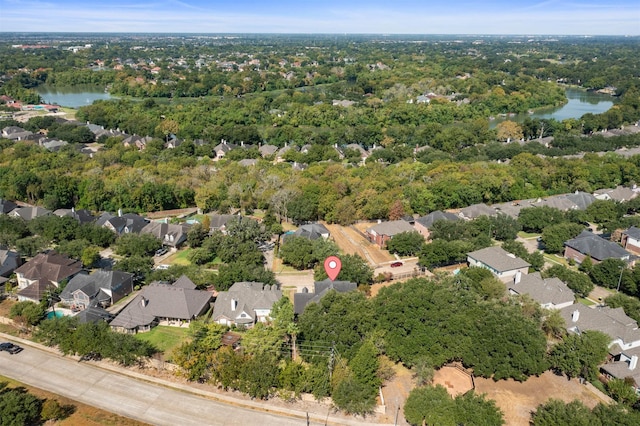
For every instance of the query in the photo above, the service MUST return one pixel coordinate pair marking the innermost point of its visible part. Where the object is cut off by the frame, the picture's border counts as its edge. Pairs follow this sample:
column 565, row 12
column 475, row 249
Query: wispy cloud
column 546, row 17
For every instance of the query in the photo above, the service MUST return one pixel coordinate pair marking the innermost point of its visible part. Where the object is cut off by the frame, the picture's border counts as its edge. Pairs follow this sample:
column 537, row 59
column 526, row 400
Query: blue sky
column 578, row 17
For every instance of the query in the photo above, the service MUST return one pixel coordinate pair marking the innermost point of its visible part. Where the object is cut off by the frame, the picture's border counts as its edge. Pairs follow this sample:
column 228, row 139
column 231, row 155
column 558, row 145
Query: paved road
column 143, row 401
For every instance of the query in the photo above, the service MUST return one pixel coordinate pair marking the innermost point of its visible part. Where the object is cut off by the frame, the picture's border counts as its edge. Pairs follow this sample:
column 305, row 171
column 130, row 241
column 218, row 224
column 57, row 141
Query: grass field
column 165, row 338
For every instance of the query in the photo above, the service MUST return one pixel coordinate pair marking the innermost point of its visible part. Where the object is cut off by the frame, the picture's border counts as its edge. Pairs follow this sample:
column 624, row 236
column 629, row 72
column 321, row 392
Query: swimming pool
column 57, row 314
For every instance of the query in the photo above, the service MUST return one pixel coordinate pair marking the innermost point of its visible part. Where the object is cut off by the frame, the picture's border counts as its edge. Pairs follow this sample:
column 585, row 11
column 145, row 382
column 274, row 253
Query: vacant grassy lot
column 165, row 338
column 83, row 415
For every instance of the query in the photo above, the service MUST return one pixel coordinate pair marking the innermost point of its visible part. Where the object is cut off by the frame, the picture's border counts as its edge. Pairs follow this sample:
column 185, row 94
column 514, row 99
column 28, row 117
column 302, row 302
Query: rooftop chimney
column 234, row 304
column 575, row 315
column 518, row 277
column 633, row 362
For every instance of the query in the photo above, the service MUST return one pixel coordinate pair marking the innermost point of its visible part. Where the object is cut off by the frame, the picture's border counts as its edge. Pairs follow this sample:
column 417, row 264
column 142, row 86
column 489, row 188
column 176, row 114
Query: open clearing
column 517, row 400
column 351, row 241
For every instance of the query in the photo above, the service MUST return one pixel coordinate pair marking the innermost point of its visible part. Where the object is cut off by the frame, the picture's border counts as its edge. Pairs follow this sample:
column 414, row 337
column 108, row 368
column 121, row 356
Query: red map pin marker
column 332, row 266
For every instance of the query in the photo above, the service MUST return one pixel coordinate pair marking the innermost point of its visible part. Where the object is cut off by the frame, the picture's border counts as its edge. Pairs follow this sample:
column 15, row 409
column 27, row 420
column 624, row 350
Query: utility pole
column 331, row 359
column 620, row 279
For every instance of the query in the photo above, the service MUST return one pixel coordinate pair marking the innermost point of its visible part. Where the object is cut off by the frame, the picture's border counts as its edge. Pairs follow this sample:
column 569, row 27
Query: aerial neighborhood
column 384, row 229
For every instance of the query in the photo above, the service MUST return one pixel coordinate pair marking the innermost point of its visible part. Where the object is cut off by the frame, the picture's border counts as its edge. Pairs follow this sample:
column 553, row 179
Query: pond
column 580, row 103
column 72, row 97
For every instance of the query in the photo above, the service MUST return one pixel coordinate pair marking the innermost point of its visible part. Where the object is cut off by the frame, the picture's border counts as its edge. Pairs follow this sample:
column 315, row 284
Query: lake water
column 72, row 97
column 580, row 103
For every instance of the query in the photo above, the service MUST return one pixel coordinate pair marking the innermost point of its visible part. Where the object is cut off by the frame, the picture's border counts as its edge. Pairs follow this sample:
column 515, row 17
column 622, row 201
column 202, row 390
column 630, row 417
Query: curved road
column 134, row 398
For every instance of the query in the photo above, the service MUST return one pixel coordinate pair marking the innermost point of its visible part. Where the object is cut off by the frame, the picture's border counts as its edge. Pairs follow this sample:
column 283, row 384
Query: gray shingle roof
column 597, row 247
column 91, row 285
column 612, row 322
column 9, row 261
column 478, row 210
column 544, row 291
column 301, row 300
column 244, row 297
column 391, row 228
column 312, row 231
column 498, row 259
column 50, row 267
column 633, row 232
column 162, row 301
column 428, row 220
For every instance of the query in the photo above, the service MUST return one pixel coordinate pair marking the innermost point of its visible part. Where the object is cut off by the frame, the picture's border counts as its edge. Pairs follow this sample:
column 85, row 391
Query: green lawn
column 585, row 301
column 180, row 258
column 165, row 338
column 555, row 259
column 523, row 234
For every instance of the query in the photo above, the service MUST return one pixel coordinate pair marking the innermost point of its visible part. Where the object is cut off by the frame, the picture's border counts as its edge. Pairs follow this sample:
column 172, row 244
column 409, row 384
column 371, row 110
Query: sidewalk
column 264, row 406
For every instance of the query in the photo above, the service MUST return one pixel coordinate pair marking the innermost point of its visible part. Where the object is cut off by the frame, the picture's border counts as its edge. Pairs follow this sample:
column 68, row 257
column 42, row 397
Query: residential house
column 245, row 304
column 99, row 289
column 44, row 272
column 222, row 149
column 6, row 206
column 624, row 347
column 301, row 300
column 128, row 223
column 218, row 222
column 282, row 151
column 424, row 224
column 51, row 144
column 384, row 231
column 565, row 202
column 619, row 194
column 476, row 210
column 248, row 162
column 312, row 231
column 137, row 141
column 9, row 261
column 267, row 150
column 82, row 215
column 29, row 213
column 613, row 322
column 501, row 263
column 597, row 248
column 172, row 235
column 159, row 303
column 550, row 293
column 631, row 240
column 15, row 133
column 94, row 315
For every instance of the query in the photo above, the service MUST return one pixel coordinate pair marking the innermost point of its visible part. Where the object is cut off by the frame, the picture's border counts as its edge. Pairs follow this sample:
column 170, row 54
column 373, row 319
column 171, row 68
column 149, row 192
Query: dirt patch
column 350, row 241
column 454, row 380
column 5, row 307
column 395, row 393
column 517, row 400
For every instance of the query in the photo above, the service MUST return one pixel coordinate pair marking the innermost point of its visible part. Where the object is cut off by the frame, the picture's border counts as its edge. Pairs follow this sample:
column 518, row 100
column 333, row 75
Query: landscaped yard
column 179, row 258
column 165, row 338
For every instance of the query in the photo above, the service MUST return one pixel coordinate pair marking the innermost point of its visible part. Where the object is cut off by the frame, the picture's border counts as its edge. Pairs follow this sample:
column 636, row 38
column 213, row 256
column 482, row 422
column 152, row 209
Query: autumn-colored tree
column 396, row 211
column 509, row 131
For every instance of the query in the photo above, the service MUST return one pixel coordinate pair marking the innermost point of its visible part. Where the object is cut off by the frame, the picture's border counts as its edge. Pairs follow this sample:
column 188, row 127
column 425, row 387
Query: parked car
column 161, row 251
column 91, row 356
column 10, row 347
column 396, row 264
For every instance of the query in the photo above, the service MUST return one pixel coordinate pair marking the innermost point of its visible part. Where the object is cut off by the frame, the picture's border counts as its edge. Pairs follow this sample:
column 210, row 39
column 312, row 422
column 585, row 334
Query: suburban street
column 140, row 400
